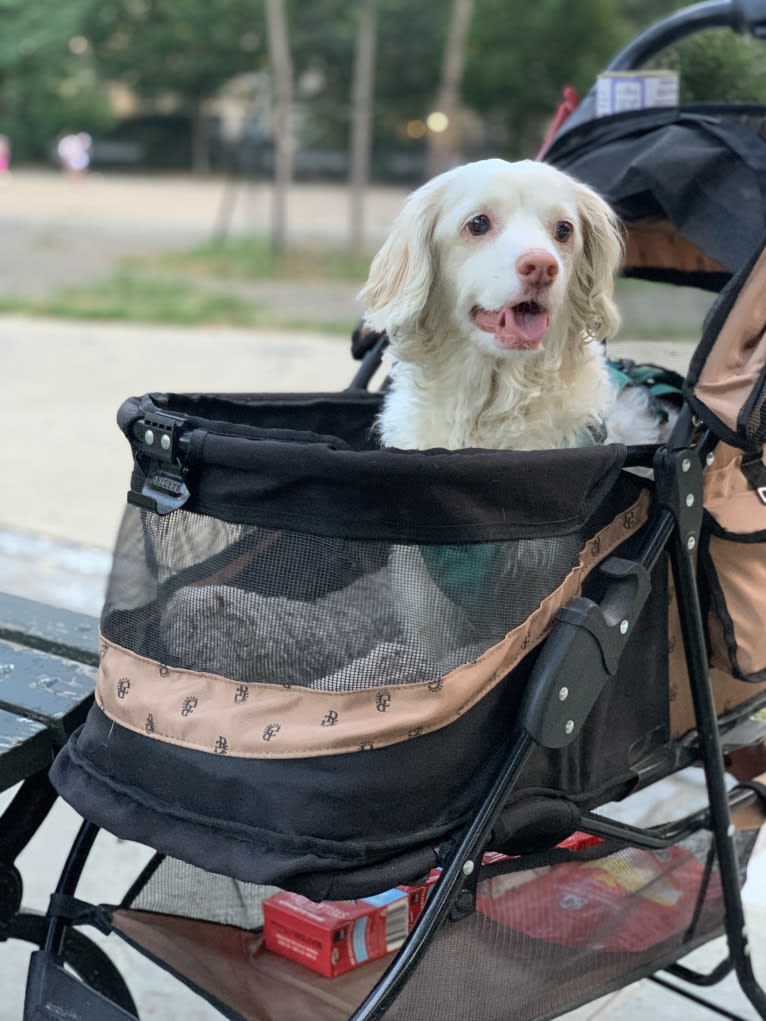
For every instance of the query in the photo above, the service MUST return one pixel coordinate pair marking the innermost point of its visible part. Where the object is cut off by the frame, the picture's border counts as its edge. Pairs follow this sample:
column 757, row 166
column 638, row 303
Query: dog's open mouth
column 516, row 327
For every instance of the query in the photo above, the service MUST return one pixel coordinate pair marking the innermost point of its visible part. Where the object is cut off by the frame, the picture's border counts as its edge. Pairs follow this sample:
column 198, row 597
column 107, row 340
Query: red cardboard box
column 629, row 901
column 333, row 937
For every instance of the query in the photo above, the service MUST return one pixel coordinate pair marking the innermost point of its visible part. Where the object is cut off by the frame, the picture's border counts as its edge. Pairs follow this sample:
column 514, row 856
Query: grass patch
column 129, row 297
column 254, row 259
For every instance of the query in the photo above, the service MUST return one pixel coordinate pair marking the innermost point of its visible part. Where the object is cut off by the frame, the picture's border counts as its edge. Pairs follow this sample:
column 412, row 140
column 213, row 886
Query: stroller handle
column 744, row 16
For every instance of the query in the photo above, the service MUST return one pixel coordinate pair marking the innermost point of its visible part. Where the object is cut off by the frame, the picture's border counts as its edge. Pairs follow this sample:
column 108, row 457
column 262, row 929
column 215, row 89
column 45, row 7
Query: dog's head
column 510, row 256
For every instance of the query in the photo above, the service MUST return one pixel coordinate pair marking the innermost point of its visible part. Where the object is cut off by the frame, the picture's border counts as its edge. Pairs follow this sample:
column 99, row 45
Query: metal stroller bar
column 464, row 864
column 738, row 15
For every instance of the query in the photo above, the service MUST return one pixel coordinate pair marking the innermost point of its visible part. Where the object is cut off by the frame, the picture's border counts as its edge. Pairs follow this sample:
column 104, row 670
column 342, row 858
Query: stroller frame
column 585, row 633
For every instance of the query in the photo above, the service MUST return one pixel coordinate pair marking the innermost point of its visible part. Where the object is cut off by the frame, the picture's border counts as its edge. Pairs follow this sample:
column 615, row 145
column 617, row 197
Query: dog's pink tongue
column 525, row 323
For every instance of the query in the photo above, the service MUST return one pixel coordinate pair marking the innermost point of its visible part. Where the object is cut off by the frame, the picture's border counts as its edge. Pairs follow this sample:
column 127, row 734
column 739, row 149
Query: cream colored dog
column 495, row 287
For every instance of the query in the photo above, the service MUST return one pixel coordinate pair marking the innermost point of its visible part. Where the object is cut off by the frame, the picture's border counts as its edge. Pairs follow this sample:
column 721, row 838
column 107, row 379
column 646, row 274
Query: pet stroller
column 366, row 704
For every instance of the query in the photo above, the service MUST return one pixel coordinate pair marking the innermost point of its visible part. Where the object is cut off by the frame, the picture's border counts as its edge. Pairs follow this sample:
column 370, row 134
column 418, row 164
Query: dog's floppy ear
column 401, row 274
column 593, row 284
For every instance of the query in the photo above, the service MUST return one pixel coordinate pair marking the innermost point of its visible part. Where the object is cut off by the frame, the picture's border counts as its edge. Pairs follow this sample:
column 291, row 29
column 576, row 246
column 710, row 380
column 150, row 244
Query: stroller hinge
column 581, row 654
column 678, row 477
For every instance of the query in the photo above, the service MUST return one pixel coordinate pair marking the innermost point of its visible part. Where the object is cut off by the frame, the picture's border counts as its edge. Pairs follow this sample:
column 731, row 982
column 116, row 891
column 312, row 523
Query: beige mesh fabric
column 214, row 713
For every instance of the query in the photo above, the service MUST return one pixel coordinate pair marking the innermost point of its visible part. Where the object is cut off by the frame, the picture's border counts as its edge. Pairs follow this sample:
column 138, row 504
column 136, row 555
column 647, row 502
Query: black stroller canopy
column 688, row 182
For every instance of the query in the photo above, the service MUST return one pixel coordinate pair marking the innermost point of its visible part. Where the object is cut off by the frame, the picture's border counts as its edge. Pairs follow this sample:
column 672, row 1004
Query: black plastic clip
column 581, row 654
column 158, row 436
column 159, row 446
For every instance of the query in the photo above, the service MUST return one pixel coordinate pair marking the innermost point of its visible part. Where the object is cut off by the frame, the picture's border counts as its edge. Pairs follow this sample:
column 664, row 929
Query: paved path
column 58, row 231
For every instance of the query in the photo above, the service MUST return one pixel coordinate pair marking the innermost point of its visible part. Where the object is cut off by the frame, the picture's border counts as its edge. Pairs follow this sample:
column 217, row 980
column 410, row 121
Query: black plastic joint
column 678, row 481
column 582, row 654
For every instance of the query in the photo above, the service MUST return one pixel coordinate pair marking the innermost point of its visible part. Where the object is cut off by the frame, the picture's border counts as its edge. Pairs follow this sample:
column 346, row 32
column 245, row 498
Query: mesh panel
column 261, row 605
column 175, row 888
column 548, row 940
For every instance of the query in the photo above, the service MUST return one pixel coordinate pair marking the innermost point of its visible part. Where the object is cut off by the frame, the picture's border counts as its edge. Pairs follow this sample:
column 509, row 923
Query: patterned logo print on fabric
column 628, row 520
column 123, row 687
column 330, row 719
column 164, row 670
column 221, row 747
column 149, row 725
column 271, row 731
column 241, row 694
column 382, row 701
column 189, row 704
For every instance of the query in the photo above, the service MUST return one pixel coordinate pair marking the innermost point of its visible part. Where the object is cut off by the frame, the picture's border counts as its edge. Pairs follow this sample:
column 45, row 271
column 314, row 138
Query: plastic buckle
column 159, row 446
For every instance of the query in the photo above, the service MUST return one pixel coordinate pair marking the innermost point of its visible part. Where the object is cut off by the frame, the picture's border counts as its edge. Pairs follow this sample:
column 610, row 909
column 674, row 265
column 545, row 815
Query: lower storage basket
column 541, row 941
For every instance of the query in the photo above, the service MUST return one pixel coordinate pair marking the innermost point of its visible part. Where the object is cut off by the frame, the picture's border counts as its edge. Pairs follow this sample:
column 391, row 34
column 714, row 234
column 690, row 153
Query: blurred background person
column 73, row 151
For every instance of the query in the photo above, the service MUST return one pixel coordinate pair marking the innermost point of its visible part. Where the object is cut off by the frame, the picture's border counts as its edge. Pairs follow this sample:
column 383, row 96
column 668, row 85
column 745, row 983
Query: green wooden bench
column 48, row 661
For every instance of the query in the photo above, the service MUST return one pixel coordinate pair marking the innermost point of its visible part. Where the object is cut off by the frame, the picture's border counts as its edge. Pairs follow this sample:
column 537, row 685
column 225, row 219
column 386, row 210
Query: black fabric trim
column 321, row 488
column 722, row 533
column 402, row 496
column 329, row 827
column 714, row 282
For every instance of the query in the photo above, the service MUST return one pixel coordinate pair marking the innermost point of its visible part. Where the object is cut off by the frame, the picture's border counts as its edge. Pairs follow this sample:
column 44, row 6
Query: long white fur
column 452, row 384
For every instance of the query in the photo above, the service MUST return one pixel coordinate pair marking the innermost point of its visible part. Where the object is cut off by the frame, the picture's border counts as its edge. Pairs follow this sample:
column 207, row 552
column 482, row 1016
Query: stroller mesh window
column 259, row 605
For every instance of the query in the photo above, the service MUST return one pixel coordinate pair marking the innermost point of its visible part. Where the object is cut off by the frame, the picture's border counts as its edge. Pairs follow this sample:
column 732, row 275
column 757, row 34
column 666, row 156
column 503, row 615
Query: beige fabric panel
column 740, row 567
column 742, row 574
column 738, row 355
column 656, row 244
column 212, row 713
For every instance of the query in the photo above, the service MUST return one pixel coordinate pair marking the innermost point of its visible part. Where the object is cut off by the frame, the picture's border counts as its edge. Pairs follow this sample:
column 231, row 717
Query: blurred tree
column 187, row 50
column 282, row 92
column 443, row 147
column 362, row 98
column 47, row 79
column 719, row 66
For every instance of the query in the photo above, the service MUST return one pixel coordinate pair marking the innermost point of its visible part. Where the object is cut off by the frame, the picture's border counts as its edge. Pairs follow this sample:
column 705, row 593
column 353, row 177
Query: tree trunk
column 200, row 138
column 361, row 118
column 282, row 86
column 442, row 145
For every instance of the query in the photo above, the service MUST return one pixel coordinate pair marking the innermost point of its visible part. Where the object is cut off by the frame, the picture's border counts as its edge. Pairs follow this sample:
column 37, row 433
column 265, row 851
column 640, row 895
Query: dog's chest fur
column 471, row 400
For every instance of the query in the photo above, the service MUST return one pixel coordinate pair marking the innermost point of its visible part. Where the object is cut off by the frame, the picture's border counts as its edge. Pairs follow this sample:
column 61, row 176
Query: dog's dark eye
column 479, row 225
column 563, row 231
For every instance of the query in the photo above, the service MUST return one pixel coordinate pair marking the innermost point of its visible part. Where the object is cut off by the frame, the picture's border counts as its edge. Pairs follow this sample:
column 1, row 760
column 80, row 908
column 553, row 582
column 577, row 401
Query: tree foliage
column 517, row 60
column 47, row 79
column 162, row 46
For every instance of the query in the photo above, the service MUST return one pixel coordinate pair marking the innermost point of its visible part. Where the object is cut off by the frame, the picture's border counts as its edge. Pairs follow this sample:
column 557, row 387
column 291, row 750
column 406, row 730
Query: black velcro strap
column 79, row 912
